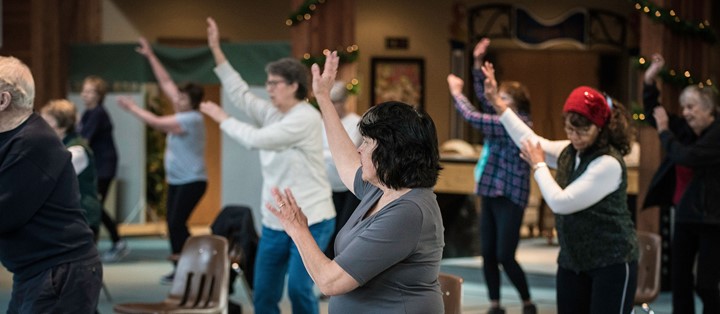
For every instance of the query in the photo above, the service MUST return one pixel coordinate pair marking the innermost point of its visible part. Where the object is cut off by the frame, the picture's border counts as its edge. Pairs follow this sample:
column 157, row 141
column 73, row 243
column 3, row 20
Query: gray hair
column 339, row 92
column 16, row 78
column 703, row 96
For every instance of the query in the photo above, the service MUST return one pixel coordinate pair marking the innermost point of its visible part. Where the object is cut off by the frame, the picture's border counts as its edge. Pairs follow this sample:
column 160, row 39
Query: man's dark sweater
column 41, row 223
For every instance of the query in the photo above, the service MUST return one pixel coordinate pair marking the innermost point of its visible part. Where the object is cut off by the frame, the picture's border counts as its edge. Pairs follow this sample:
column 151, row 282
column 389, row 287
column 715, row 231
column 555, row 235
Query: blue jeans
column 277, row 256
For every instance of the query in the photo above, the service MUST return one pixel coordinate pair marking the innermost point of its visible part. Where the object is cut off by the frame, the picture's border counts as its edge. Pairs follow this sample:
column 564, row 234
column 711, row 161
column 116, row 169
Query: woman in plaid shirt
column 502, row 179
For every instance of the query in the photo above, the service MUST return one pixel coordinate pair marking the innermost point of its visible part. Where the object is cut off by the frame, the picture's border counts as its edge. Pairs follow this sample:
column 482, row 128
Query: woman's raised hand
column 144, row 48
column 491, row 89
column 213, row 34
column 455, row 84
column 323, row 82
column 656, row 65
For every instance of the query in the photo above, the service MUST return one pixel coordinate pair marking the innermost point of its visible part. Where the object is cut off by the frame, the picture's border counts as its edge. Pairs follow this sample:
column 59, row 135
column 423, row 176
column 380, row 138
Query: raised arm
column 167, row 85
column 484, row 122
column 213, row 35
column 166, row 124
column 491, row 88
column 343, row 150
column 479, row 52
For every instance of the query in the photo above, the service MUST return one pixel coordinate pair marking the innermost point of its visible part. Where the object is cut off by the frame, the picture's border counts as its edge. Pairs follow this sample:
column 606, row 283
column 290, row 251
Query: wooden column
column 332, row 26
column 39, row 33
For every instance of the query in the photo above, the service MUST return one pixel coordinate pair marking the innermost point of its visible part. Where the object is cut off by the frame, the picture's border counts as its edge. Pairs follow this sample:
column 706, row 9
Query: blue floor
column 136, row 278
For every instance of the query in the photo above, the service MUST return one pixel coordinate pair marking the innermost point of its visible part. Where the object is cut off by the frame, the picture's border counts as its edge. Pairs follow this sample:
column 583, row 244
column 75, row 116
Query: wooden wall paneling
column 549, row 76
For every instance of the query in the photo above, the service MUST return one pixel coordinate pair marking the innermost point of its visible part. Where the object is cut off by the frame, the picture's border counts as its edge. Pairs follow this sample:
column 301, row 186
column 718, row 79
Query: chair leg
column 106, row 292
column 243, row 281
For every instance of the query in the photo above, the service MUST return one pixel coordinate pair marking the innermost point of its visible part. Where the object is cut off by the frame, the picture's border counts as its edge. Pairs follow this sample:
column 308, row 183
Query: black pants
column 691, row 240
column 500, row 221
column 345, row 204
column 609, row 289
column 103, row 184
column 67, row 288
column 181, row 201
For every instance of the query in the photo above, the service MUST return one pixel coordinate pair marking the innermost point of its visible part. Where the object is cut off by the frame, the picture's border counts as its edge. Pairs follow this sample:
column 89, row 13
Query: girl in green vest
column 597, row 263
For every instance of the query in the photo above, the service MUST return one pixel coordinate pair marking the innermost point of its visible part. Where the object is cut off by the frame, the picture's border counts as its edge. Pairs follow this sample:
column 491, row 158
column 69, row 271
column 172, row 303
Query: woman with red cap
column 597, row 264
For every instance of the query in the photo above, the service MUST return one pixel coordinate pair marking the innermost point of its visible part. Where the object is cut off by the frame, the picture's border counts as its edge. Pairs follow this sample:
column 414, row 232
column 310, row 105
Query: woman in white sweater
column 288, row 132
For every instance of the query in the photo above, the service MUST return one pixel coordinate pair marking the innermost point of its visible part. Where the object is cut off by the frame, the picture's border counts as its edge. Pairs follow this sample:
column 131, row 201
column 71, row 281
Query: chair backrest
column 451, row 287
column 201, row 276
column 648, row 281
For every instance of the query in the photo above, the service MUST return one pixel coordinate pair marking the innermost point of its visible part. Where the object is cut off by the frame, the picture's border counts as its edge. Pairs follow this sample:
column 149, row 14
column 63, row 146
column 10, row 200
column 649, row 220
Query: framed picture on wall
column 399, row 79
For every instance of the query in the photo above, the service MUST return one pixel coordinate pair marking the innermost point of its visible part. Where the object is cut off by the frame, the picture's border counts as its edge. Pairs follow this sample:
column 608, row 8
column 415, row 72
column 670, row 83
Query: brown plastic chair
column 451, row 287
column 648, row 274
column 200, row 284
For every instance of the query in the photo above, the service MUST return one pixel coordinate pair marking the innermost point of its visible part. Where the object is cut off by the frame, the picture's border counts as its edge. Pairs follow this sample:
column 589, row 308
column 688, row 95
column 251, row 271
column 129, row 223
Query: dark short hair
column 406, row 155
column 293, row 72
column 195, row 92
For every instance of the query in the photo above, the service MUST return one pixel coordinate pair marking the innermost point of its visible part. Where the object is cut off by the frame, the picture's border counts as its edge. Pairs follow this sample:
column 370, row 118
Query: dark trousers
column 67, row 288
column 345, row 204
column 181, row 201
column 500, row 221
column 103, row 184
column 691, row 240
column 609, row 289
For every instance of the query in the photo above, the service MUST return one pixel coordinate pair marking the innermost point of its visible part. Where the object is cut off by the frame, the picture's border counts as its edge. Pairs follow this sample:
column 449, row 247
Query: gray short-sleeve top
column 394, row 254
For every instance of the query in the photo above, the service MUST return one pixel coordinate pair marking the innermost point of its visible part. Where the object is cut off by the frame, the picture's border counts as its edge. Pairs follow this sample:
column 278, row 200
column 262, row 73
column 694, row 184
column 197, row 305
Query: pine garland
column 680, row 79
column 303, row 13
column 659, row 14
column 348, row 55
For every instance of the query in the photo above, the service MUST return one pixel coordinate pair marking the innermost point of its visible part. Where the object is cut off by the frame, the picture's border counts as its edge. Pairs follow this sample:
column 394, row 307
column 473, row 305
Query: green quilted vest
column 602, row 234
column 87, row 179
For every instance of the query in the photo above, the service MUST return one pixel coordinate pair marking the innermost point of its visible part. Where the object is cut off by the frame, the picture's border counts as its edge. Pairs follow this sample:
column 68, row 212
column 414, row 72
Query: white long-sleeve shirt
column 602, row 176
column 290, row 144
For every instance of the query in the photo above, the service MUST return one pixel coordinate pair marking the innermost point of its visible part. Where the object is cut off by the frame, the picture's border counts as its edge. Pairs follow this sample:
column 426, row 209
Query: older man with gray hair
column 44, row 238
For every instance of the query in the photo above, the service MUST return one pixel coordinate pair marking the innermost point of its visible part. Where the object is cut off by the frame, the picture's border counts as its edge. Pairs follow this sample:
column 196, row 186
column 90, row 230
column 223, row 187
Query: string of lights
column 678, row 25
column 304, row 12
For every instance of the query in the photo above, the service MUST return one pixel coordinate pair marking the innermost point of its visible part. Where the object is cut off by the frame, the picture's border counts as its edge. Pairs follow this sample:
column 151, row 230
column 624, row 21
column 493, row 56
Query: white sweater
column 602, row 176
column 290, row 144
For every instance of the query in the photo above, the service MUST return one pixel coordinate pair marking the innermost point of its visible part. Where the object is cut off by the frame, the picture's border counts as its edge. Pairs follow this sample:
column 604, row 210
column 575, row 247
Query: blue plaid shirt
column 502, row 171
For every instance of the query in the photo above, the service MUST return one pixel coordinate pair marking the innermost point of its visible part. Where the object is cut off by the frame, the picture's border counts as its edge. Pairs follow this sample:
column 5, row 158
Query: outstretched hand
column 656, row 65
column 287, row 211
column 145, row 49
column 213, row 34
column 126, row 103
column 213, row 111
column 455, row 84
column 661, row 119
column 491, row 88
column 323, row 82
column 532, row 153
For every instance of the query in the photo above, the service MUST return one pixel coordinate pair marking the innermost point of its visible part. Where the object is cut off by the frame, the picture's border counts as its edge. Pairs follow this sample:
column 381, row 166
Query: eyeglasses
column 579, row 132
column 272, row 83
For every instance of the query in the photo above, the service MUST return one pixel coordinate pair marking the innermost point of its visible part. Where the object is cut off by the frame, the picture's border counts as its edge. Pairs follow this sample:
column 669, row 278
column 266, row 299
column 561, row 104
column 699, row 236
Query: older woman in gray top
column 388, row 254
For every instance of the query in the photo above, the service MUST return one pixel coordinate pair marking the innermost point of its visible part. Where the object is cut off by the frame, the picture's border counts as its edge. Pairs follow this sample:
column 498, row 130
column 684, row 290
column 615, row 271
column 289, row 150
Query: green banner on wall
column 121, row 63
